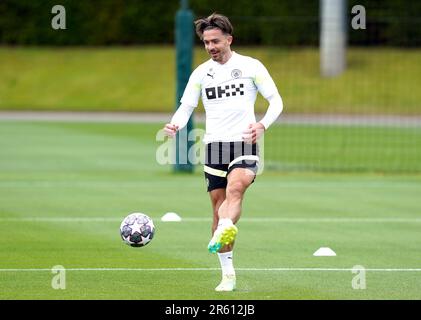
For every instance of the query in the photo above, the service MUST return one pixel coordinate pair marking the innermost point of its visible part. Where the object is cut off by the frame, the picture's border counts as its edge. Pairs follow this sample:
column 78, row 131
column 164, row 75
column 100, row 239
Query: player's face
column 217, row 44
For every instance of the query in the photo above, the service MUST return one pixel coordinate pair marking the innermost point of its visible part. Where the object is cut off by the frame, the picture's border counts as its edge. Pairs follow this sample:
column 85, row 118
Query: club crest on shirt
column 236, row 73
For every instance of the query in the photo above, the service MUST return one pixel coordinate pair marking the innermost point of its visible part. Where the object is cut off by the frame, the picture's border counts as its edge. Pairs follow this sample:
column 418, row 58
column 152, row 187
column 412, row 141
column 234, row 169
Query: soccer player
column 228, row 84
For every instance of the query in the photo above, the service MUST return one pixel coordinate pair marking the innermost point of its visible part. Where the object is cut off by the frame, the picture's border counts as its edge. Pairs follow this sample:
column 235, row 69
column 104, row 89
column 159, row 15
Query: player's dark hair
column 214, row 21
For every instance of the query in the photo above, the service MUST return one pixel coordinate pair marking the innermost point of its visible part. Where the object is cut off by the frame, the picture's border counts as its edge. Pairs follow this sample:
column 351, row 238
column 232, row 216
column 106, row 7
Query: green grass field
column 65, row 187
column 377, row 80
column 344, row 148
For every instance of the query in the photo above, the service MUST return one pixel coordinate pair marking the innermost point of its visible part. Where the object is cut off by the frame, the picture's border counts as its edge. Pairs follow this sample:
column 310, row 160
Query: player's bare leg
column 217, row 196
column 239, row 180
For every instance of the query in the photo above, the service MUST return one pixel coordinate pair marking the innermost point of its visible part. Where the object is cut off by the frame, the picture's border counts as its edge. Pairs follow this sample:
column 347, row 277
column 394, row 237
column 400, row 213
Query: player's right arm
column 189, row 101
column 179, row 120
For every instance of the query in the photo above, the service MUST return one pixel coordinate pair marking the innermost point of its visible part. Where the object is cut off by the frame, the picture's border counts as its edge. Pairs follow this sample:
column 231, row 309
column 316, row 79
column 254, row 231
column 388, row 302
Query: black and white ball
column 137, row 229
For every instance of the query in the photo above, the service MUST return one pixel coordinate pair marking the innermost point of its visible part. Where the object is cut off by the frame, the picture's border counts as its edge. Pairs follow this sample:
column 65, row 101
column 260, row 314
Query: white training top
column 228, row 94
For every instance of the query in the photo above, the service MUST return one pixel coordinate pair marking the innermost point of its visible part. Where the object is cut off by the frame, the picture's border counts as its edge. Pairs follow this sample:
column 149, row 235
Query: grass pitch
column 65, row 187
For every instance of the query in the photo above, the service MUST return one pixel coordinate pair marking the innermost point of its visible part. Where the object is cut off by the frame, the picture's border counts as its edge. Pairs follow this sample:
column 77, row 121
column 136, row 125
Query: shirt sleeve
column 191, row 93
column 264, row 81
column 182, row 115
column 275, row 108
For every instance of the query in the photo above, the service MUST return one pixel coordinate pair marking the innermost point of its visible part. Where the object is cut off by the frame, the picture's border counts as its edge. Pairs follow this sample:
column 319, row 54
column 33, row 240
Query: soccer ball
column 137, row 229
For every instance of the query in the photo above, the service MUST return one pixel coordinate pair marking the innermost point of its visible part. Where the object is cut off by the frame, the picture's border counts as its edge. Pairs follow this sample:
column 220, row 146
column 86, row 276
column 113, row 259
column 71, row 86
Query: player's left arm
column 269, row 91
column 274, row 110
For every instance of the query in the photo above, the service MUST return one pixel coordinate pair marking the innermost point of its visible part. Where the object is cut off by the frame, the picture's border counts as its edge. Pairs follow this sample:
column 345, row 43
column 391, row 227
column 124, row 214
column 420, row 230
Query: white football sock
column 227, row 266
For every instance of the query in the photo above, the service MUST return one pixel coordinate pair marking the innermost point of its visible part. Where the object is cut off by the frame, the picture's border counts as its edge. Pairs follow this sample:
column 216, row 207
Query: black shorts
column 222, row 157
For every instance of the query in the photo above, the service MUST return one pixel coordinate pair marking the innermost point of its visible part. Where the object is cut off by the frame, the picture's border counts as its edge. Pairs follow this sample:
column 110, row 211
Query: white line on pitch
column 198, row 219
column 136, row 184
column 216, row 269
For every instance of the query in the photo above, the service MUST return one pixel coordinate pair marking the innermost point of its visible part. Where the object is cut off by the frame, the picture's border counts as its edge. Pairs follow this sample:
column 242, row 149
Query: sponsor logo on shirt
column 225, row 91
